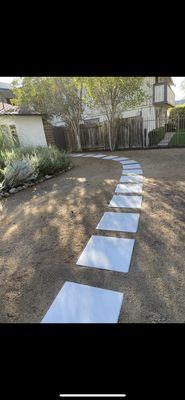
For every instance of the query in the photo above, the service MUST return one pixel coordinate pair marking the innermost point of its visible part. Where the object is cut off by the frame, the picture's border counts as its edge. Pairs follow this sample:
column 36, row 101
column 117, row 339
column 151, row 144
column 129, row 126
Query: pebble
column 13, row 190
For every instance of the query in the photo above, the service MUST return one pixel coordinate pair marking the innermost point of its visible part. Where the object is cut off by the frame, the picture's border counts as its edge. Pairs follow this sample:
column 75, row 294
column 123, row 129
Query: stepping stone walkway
column 77, row 303
column 128, row 162
column 110, row 157
column 120, row 201
column 131, row 179
column 132, row 166
column 121, row 222
column 133, row 172
column 109, row 253
column 129, row 188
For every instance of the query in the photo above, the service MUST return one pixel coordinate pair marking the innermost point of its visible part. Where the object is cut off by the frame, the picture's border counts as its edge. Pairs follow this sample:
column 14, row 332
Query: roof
column 6, row 93
column 4, row 85
column 171, row 80
column 8, row 109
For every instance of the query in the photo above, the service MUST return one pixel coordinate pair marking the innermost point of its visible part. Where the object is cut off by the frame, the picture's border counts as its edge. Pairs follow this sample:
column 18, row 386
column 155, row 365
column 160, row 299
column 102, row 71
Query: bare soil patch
column 44, row 229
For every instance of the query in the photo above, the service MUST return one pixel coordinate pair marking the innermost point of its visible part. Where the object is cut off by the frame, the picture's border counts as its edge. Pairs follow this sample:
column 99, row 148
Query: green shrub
column 17, row 153
column 156, row 135
column 2, row 165
column 50, row 160
column 31, row 162
column 18, row 172
column 170, row 126
column 177, row 115
column 1, row 175
column 177, row 111
column 44, row 160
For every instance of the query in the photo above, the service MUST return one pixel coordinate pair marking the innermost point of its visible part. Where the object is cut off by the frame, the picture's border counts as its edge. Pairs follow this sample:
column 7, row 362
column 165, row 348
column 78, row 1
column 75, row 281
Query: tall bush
column 25, row 163
column 178, row 111
column 156, row 135
column 177, row 116
column 18, row 172
column 49, row 160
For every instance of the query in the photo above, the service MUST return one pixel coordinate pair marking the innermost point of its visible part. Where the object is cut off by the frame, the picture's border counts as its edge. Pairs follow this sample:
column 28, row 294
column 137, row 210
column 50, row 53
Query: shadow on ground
column 43, row 231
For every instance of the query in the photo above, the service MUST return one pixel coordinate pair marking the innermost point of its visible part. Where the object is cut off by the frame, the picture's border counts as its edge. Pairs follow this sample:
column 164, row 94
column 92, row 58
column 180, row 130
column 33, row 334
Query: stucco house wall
column 29, row 128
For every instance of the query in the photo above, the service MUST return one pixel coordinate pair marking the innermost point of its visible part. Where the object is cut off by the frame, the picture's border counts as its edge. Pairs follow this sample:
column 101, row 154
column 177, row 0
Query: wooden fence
column 129, row 133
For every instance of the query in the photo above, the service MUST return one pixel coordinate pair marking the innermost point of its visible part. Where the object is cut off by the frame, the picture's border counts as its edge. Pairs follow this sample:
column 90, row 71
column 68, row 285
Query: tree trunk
column 110, row 137
column 77, row 134
column 113, row 131
column 113, row 135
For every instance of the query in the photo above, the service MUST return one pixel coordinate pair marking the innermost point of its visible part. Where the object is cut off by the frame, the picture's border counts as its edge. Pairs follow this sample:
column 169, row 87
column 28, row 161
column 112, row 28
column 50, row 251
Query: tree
column 69, row 103
column 113, row 95
column 53, row 96
column 34, row 93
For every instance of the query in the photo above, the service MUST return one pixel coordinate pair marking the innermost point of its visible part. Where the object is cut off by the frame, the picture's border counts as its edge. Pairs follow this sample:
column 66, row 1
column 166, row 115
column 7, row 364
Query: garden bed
column 21, row 167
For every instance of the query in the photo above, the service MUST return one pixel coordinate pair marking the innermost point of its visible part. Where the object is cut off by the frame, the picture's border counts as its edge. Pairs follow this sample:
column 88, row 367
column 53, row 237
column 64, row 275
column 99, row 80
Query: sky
column 176, row 79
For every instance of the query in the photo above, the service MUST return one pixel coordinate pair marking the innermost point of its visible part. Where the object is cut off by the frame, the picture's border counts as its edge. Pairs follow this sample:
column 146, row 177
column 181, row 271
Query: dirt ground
column 44, row 229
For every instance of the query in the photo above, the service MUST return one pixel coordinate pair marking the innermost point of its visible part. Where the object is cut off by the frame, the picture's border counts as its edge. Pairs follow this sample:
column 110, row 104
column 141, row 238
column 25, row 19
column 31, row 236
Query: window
column 14, row 133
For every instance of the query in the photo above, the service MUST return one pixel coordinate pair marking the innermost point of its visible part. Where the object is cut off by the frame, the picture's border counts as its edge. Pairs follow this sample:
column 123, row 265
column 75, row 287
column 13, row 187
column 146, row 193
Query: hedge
column 156, row 135
column 178, row 111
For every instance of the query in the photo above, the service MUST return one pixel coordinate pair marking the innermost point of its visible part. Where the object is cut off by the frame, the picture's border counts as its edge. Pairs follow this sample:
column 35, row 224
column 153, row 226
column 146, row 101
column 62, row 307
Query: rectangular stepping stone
column 87, row 155
column 129, row 162
column 99, row 156
column 77, row 155
column 129, row 188
column 133, row 171
column 121, row 158
column 121, row 222
column 109, row 253
column 131, row 179
column 132, row 166
column 126, row 201
column 109, row 157
column 77, row 303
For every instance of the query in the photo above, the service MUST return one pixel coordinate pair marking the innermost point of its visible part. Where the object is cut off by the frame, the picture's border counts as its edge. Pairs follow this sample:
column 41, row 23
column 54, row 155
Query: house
column 27, row 127
column 161, row 98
